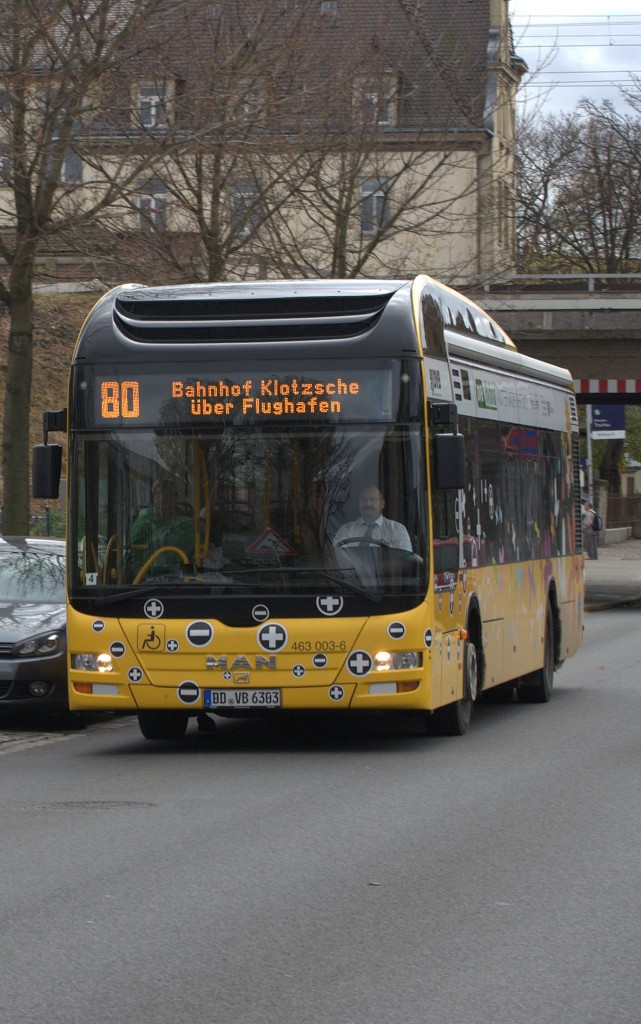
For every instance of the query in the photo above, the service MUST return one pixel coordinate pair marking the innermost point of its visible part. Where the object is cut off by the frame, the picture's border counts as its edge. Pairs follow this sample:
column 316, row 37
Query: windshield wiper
column 371, row 595
column 139, row 590
column 186, row 586
column 217, row 583
column 314, row 571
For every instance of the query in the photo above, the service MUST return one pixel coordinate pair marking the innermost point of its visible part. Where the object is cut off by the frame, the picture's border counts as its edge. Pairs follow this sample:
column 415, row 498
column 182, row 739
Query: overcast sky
column 587, row 50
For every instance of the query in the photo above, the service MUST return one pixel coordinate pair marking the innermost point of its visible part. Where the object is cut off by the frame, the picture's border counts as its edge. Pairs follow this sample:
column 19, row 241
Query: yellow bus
column 317, row 494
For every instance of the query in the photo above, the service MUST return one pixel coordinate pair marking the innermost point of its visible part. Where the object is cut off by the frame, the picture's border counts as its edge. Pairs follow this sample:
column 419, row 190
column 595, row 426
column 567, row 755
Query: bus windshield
column 236, row 509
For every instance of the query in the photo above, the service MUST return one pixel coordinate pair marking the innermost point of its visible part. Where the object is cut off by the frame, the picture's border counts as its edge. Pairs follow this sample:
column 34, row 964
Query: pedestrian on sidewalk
column 589, row 533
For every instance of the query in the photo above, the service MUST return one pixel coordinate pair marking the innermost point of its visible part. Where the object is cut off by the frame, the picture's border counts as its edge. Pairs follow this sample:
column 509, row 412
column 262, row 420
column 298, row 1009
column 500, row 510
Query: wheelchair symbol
column 151, row 637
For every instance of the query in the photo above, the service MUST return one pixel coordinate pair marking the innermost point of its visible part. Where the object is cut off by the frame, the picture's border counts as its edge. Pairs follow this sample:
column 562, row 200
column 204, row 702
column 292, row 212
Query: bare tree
column 412, row 167
column 247, row 137
column 326, row 139
column 229, row 113
column 58, row 63
column 579, row 205
column 373, row 190
column 579, row 192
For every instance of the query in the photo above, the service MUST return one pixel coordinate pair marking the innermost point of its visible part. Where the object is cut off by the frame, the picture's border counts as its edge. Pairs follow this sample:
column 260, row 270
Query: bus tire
column 536, row 687
column 451, row 720
column 163, row 725
column 454, row 719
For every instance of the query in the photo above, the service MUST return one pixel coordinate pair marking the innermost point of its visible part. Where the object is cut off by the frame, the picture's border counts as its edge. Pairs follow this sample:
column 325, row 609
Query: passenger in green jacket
column 157, row 527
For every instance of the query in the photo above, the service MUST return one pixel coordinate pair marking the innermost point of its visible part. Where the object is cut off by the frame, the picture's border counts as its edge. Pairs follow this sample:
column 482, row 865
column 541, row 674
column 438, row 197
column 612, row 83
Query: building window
column 5, row 165
column 152, row 106
column 375, row 206
column 378, row 100
column 5, row 148
column 152, row 205
column 504, row 213
column 71, row 168
column 376, row 106
column 71, row 163
column 245, row 208
column 249, row 101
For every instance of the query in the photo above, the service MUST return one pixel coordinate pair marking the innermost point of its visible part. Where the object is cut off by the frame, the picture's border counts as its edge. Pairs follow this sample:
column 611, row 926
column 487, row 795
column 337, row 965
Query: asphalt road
column 334, row 872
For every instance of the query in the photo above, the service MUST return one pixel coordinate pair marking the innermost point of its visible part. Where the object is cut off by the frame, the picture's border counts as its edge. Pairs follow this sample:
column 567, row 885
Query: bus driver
column 372, row 524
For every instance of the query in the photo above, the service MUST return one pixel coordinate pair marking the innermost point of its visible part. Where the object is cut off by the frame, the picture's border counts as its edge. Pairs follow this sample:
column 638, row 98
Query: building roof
column 437, row 49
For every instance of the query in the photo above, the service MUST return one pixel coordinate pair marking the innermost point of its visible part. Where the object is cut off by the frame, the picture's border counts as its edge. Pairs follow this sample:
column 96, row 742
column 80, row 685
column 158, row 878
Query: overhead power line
column 552, row 36
column 572, row 19
column 595, row 41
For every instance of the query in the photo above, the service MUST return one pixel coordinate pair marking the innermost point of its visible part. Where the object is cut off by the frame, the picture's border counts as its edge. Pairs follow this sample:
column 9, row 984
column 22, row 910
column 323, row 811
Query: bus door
column 448, row 583
column 447, row 659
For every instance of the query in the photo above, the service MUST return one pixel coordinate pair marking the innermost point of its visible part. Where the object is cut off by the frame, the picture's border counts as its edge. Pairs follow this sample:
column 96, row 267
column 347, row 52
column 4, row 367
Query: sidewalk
column 615, row 577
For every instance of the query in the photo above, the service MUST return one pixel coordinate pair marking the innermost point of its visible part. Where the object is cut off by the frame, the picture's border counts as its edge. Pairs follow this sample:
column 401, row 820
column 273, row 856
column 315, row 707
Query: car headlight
column 41, row 646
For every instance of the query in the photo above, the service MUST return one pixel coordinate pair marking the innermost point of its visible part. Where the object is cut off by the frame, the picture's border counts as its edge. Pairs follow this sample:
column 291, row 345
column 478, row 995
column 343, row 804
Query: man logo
column 239, row 663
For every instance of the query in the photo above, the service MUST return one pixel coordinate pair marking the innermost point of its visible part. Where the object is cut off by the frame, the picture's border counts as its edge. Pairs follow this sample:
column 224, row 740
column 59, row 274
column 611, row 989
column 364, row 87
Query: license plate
column 241, row 699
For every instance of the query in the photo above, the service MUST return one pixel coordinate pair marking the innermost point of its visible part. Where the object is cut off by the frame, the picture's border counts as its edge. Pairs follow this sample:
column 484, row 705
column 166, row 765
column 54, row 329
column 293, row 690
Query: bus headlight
column 92, row 662
column 386, row 660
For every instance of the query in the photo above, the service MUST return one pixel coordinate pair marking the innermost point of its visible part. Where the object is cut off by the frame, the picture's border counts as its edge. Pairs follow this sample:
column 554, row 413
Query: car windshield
column 33, row 576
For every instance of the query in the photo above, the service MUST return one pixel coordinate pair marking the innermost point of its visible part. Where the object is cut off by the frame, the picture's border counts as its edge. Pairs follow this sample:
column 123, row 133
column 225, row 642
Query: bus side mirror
column 45, row 470
column 448, row 452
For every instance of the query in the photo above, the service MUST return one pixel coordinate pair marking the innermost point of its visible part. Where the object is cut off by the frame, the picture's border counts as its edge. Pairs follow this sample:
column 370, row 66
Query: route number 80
column 120, row 399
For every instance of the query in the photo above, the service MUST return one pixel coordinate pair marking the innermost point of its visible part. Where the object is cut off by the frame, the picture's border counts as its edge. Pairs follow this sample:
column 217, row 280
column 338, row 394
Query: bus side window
column 446, row 555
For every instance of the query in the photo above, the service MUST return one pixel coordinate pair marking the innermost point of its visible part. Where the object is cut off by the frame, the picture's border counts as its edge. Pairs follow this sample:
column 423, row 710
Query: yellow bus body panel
column 313, row 669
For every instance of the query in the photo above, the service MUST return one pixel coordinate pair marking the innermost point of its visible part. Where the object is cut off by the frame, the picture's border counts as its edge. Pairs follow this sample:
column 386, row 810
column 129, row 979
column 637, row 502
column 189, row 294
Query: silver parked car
column 33, row 637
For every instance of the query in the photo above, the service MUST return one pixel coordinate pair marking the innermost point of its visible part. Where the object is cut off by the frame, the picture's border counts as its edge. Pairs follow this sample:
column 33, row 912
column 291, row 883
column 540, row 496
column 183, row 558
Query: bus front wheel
column 454, row 719
column 163, row 725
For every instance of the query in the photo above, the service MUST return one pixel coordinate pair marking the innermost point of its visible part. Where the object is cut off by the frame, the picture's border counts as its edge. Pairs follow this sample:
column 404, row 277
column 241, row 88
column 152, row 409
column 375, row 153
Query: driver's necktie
column 369, row 532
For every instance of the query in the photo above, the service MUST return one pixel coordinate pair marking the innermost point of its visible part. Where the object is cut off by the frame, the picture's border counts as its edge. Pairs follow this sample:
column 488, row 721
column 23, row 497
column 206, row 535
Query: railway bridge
column 590, row 324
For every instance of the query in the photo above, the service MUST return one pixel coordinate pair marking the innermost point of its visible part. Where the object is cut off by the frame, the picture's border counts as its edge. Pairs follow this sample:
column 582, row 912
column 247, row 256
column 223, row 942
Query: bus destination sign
column 266, row 396
column 153, row 398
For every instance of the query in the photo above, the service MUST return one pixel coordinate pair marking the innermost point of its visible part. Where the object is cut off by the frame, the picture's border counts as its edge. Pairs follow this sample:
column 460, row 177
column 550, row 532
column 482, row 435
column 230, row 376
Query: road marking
column 10, row 744
column 13, row 743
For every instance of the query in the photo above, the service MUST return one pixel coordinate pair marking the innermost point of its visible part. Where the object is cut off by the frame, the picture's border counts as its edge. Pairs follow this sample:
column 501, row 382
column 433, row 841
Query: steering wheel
column 140, row 575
